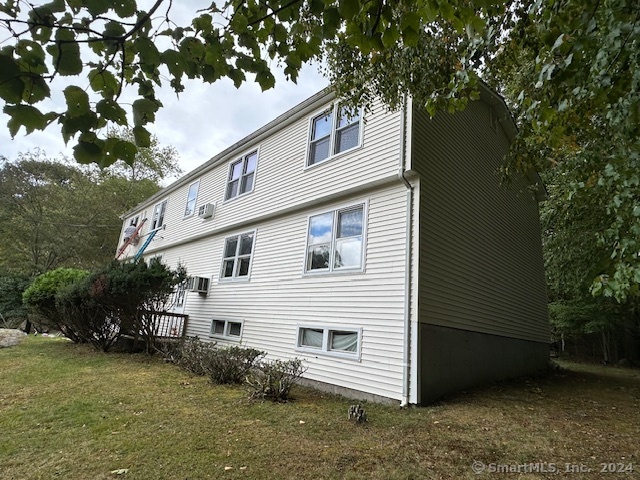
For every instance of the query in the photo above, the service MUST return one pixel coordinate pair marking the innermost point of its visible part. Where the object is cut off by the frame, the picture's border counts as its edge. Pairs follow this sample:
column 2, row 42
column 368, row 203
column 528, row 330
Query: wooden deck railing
column 167, row 324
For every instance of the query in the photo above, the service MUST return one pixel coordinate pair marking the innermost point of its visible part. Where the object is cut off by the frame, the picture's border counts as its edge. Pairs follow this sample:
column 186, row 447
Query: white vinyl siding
column 192, row 197
column 481, row 263
column 279, row 298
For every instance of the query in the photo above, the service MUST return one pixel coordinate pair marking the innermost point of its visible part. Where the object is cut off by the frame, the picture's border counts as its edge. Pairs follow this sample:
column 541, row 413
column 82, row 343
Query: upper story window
column 242, row 175
column 335, row 240
column 236, row 260
column 134, row 221
column 192, row 195
column 332, row 132
column 157, row 221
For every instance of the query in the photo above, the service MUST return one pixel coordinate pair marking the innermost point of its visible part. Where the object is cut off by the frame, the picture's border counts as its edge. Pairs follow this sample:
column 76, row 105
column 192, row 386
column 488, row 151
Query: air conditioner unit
column 198, row 284
column 206, row 210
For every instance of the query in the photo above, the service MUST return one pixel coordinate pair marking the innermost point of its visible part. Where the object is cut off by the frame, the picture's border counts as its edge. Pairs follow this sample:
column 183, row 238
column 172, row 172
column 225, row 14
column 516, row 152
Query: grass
column 69, row 412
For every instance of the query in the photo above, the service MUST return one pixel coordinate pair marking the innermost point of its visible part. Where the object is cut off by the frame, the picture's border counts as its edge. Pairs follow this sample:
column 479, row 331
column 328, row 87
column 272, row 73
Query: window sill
column 354, row 357
column 228, row 200
column 226, row 338
column 233, row 279
column 345, row 272
column 330, row 158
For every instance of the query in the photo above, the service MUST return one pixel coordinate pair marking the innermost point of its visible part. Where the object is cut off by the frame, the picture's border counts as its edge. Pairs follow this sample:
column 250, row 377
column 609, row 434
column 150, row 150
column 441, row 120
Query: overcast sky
column 201, row 122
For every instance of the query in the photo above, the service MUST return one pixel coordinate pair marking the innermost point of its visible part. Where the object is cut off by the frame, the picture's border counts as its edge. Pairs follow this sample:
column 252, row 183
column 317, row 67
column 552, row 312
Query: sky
column 204, row 120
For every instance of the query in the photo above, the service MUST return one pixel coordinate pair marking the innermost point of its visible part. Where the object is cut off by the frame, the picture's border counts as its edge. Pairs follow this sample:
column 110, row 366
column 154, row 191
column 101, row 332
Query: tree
column 56, row 213
column 569, row 69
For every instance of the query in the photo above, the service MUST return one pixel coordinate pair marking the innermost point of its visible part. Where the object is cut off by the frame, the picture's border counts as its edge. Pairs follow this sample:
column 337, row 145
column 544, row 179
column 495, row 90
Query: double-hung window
column 192, row 195
column 335, row 240
column 242, row 174
column 157, row 221
column 336, row 341
column 236, row 261
column 332, row 132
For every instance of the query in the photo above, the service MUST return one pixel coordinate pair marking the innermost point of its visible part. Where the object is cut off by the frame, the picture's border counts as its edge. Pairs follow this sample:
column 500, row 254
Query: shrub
column 190, row 354
column 231, row 364
column 274, row 379
column 40, row 297
column 221, row 364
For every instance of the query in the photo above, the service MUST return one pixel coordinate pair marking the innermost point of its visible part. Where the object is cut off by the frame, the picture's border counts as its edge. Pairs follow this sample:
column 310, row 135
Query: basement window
column 227, row 329
column 343, row 342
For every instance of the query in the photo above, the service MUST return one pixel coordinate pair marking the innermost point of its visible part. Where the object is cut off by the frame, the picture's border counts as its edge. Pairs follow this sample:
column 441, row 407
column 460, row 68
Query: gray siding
column 481, row 265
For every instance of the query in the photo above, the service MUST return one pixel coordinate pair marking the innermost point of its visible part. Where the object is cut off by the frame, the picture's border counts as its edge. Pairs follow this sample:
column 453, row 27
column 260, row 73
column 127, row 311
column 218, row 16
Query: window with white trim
column 338, row 341
column 242, row 175
column 192, row 196
column 332, row 132
column 157, row 221
column 236, row 260
column 226, row 329
column 335, row 240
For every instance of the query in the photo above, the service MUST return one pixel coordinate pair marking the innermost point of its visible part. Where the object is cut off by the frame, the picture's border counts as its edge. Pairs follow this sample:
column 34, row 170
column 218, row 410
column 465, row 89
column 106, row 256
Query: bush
column 274, row 379
column 223, row 365
column 231, row 364
column 118, row 299
column 40, row 297
column 190, row 354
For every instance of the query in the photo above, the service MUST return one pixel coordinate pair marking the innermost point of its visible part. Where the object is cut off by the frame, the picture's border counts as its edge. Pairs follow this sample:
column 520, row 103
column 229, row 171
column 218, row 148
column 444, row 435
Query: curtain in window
column 312, row 338
column 345, row 341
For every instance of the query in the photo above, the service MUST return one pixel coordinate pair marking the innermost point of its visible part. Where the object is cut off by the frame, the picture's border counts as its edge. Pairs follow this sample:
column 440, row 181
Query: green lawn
column 69, row 412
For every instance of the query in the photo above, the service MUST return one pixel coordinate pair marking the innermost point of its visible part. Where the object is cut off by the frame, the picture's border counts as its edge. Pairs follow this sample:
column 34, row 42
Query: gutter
column 408, row 258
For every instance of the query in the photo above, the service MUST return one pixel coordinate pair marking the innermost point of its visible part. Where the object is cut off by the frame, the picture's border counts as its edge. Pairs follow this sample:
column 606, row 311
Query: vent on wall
column 206, row 210
column 199, row 285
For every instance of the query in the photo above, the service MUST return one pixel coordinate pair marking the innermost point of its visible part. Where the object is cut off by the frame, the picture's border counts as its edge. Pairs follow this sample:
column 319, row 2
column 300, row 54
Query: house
column 377, row 246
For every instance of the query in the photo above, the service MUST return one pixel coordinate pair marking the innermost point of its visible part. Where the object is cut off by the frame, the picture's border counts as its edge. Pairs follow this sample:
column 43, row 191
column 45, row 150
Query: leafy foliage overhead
column 568, row 68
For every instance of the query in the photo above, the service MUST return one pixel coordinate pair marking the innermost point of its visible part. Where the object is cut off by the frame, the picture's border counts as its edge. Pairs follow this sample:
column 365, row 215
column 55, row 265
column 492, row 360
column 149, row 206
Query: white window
column 134, row 221
column 329, row 340
column 226, row 328
column 335, row 240
column 192, row 195
column 332, row 132
column 236, row 260
column 242, row 175
column 157, row 220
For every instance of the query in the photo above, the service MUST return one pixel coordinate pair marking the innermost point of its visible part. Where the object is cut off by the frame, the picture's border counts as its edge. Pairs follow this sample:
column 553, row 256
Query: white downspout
column 408, row 259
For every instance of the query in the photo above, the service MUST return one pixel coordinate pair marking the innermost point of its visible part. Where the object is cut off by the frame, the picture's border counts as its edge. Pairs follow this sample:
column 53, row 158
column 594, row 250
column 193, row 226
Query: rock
column 10, row 337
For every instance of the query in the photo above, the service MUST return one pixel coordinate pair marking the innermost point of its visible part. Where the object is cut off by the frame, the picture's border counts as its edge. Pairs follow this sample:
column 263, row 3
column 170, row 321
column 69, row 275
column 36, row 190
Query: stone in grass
column 10, row 337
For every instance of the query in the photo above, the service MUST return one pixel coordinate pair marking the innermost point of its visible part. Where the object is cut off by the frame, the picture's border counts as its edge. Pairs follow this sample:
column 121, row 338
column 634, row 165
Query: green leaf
column 265, row 79
column 330, row 22
column 114, row 30
column 87, row 153
column 24, row 116
column 124, row 8
column 148, row 53
column 32, row 56
column 142, row 137
column 97, row 7
column 144, row 111
column 35, row 89
column 112, row 111
column 65, row 53
column 410, row 37
column 174, row 62
column 11, row 86
column 125, row 151
column 349, row 8
column 237, row 76
column 77, row 101
column 103, row 82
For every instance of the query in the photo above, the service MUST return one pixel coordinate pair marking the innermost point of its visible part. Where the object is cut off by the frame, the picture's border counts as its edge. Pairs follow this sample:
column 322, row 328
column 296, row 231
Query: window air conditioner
column 206, row 210
column 199, row 284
